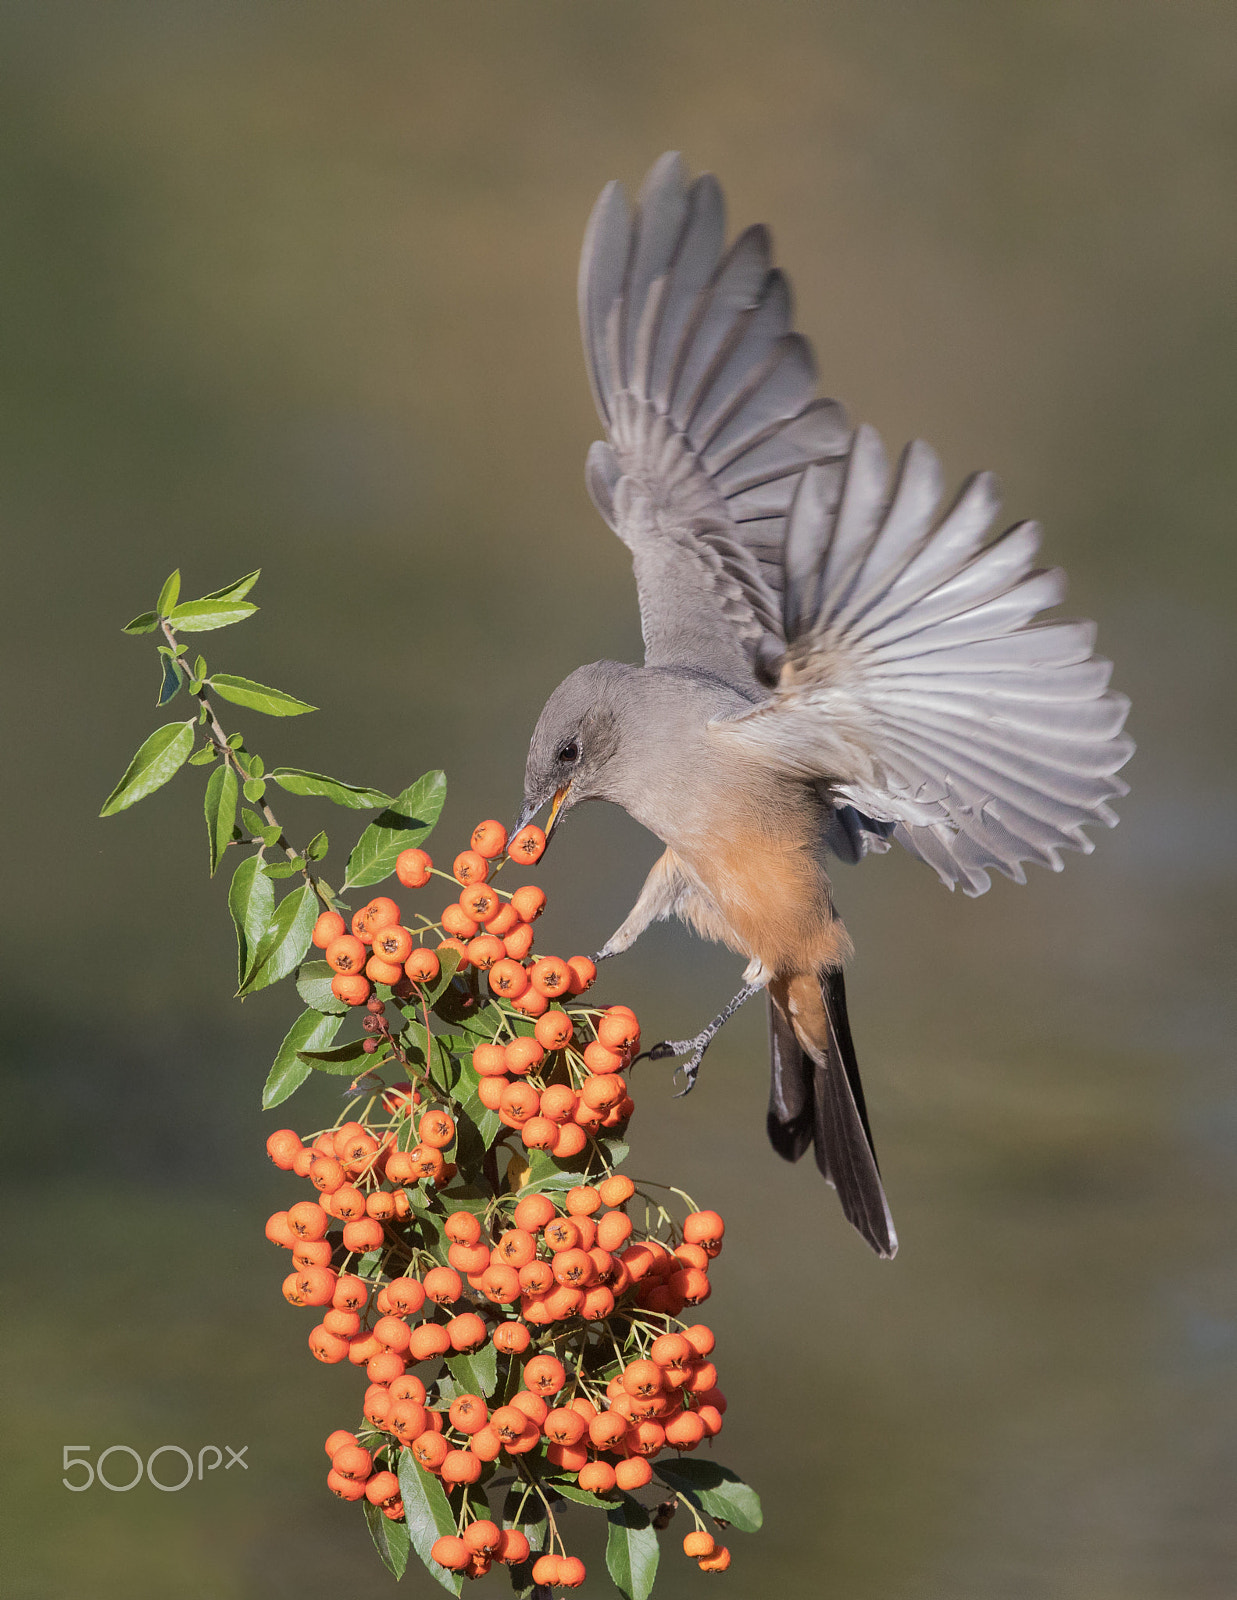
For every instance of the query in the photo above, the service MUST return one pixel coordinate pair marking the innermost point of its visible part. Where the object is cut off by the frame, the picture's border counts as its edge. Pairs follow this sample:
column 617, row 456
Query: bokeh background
column 293, row 286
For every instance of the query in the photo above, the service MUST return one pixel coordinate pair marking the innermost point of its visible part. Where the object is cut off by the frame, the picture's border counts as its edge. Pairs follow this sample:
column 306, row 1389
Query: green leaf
column 582, row 1497
column 220, row 812
column 310, row 1031
column 632, row 1549
column 296, row 780
column 146, row 623
column 169, row 594
column 545, row 1174
column 714, row 1490
column 344, row 1059
column 313, row 984
column 281, row 869
column 237, row 590
column 408, row 821
column 487, row 1123
column 477, row 1371
column 428, row 1515
column 317, row 847
column 390, row 1540
column 171, row 683
column 448, row 966
column 160, row 758
column 199, row 668
column 204, row 756
column 285, row 941
column 203, row 616
column 255, row 790
column 251, row 899
column 257, row 697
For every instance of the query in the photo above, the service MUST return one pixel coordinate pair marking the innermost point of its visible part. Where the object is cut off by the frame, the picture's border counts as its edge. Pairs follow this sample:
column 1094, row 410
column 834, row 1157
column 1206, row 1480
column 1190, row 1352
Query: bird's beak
column 556, row 809
column 534, row 806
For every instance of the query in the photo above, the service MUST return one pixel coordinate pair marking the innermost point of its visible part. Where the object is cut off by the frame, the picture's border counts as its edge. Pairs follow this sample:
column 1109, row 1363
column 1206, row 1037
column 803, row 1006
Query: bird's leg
column 702, row 1041
column 661, row 889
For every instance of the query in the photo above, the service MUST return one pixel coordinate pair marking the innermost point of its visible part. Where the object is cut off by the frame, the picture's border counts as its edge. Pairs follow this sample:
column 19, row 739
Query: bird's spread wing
column 917, row 683
column 707, row 398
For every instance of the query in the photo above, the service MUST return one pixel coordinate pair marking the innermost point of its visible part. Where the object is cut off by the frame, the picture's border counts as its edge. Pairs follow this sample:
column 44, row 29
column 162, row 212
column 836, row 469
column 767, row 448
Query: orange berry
column 327, row 1346
column 532, row 1003
column 393, row 1332
column 517, row 1247
column 539, row 1133
column 468, row 1412
column 500, row 1284
column 307, row 1220
column 489, row 839
column 377, row 1403
column 344, row 1488
column 429, row 1339
column 545, row 1570
column 583, row 1200
column 692, row 1255
column 380, row 912
column 561, row 1234
column 437, row 1129
column 607, row 1429
column 544, row 1375
column 450, row 1552
column 704, row 1228
column 485, row 950
column 685, row 1431
column 456, row 921
column 480, row 902
column 483, row 1536
column 559, row 1104
column 360, row 926
column 485, row 1444
column 352, row 1461
column 717, row 1562
column 571, row 1572
column 489, row 1061
column 598, row 1303
column 597, row 1477
column 537, row 1277
column 422, row 966
column 550, row 976
column 407, row 1419
column 328, row 927
column 518, row 942
column 528, row 846
column 278, row 1231
column 514, row 1547
column 554, row 1029
column 382, row 1489
column 700, row 1338
column 312, row 1253
column 469, row 1259
column 528, row 902
column 393, row 943
column 336, row 1442
column 604, row 1092
column 601, row 1060
column 383, row 971
column 583, row 973
column 571, row 1140
column 469, row 867
column 467, row 1332
column 523, row 1055
column 365, row 1233
column 520, row 1101
column 512, row 1338
column 442, row 1285
column 614, row 1230
column 490, row 1091
column 387, row 1364
column 642, row 1379
column 699, row 1543
column 508, row 978
column 670, row 1350
column 616, row 1190
column 409, row 1387
column 351, row 1293
column 633, row 1473
column 619, row 1030
column 412, row 868
column 282, row 1147
column 462, row 1227
column 346, row 954
column 326, row 1174
column 532, row 1213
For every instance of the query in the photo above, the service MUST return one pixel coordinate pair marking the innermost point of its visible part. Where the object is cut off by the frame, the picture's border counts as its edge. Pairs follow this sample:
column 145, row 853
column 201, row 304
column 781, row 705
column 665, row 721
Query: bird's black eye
column 569, row 753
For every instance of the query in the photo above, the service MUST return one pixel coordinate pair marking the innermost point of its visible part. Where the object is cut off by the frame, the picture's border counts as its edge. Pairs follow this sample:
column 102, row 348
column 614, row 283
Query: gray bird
column 832, row 660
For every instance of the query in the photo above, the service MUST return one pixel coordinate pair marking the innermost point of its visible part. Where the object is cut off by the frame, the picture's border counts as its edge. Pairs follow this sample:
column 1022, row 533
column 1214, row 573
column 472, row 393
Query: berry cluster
column 550, row 1326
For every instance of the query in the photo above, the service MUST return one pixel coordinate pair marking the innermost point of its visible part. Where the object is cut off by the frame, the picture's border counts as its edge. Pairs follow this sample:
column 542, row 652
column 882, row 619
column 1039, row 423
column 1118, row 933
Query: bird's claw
column 680, row 1047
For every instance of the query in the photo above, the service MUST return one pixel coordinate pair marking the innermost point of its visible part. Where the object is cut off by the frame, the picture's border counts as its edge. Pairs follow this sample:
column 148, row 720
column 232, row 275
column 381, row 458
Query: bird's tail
column 816, row 1097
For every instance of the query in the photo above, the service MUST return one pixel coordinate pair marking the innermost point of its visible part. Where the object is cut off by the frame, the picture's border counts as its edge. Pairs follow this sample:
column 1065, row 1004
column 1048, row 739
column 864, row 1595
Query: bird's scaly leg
column 697, row 1046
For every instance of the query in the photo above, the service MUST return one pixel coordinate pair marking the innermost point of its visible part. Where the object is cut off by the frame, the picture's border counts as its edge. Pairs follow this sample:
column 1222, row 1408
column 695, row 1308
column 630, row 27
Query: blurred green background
column 293, row 285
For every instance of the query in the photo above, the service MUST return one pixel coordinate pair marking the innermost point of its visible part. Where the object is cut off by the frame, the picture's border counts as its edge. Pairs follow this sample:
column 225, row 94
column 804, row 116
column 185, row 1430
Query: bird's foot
column 694, row 1048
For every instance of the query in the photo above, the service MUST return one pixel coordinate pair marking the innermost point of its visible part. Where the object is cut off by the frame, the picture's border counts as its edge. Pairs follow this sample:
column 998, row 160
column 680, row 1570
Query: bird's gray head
column 576, row 738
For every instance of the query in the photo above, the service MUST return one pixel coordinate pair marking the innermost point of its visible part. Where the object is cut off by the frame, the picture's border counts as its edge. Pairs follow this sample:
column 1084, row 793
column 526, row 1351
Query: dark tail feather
column 821, row 1102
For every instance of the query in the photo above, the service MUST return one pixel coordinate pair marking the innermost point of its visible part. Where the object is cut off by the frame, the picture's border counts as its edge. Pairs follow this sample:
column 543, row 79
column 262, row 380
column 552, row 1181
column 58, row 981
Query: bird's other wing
column 917, row 683
column 707, row 399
